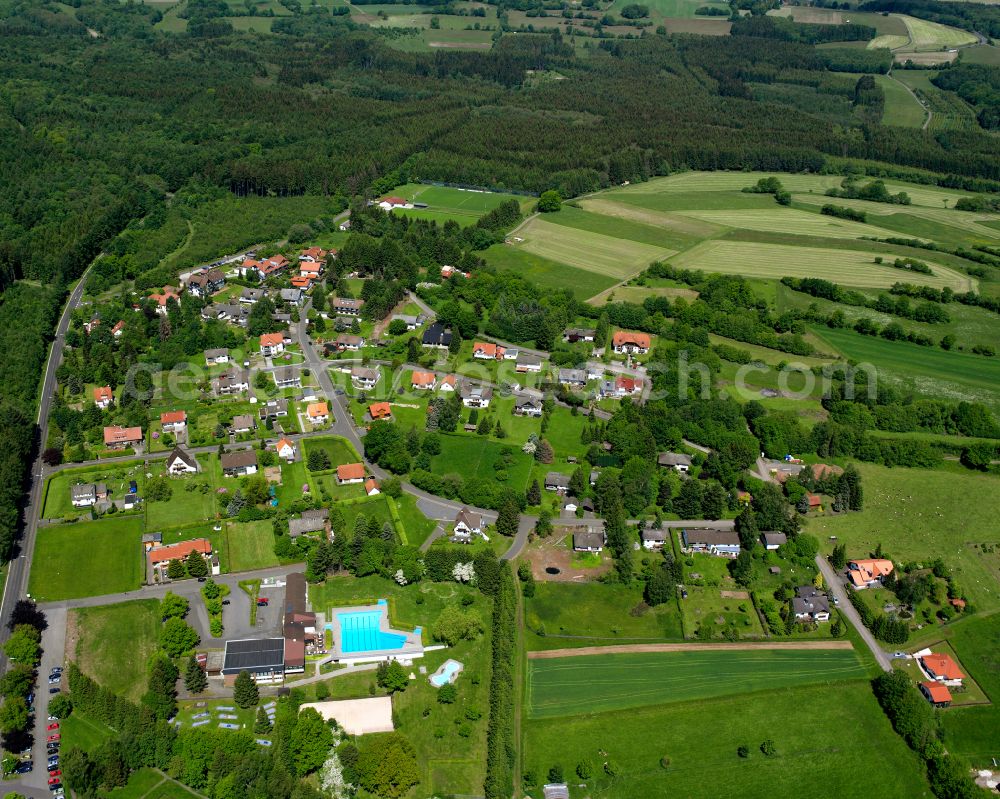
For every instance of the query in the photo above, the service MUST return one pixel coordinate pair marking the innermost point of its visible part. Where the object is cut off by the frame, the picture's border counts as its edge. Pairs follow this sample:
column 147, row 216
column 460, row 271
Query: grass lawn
column 251, row 545
column 82, row 731
column 57, row 503
column 474, row 456
column 86, row 559
column 446, row 198
column 417, row 526
column 450, row 746
column 338, row 449
column 191, row 500
column 788, row 220
column 592, row 614
column 823, row 735
column 919, row 514
column 901, row 107
column 620, row 228
column 410, row 606
column 293, row 477
column 547, row 273
column 115, row 643
column 929, row 371
column 600, row 683
column 140, row 783
column 971, row 731
column 705, row 607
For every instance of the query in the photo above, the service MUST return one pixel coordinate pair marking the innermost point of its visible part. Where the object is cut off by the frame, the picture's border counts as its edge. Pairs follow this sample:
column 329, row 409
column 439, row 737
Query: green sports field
column 824, row 738
column 600, row 683
column 847, row 267
column 86, row 559
column 463, row 202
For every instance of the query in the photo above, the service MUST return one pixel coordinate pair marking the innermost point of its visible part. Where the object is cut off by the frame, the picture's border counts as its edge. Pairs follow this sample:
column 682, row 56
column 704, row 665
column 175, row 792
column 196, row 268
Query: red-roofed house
column 448, row 271
column 173, row 421
column 318, row 412
column 103, row 397
column 162, row 298
column 866, row 573
column 380, row 410
column 941, row 668
column 272, row 344
column 250, row 268
column 423, row 380
column 313, row 255
column 118, row 437
column 937, row 694
column 116, row 331
column 160, row 557
column 301, row 282
column 348, row 473
column 310, row 270
column 372, row 487
column 628, row 385
column 815, row 501
column 448, row 383
column 273, row 265
column 485, row 351
column 285, row 449
column 627, row 341
column 388, row 203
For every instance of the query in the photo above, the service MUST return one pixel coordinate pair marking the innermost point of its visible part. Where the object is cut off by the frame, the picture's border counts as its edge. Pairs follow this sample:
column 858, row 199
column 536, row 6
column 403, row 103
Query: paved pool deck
column 412, row 647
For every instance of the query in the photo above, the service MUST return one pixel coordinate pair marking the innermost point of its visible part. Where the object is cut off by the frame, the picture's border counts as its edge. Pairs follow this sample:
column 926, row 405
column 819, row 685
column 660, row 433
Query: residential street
column 836, row 585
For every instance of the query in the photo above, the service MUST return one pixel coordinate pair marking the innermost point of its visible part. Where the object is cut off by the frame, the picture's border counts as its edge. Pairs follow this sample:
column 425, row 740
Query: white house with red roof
column 272, row 344
column 118, row 437
column 285, row 449
column 627, row 341
column 940, row 667
column 103, row 397
column 389, row 203
column 116, row 331
column 485, row 351
column 313, row 255
column 173, row 421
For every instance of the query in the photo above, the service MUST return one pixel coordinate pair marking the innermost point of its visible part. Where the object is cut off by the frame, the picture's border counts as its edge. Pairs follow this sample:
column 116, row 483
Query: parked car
column 55, row 690
column 202, row 579
column 52, row 738
column 262, row 602
column 53, row 766
column 53, row 761
column 53, row 718
column 225, row 601
column 54, row 781
column 24, row 768
column 55, row 679
column 55, row 786
column 55, row 773
column 53, row 726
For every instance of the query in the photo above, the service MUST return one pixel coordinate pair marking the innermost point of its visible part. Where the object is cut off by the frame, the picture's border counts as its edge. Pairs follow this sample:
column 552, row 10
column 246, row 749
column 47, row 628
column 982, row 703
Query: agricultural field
column 567, row 686
column 114, row 644
column 928, row 371
column 621, row 228
column 847, row 267
column 592, row 614
column 463, row 205
column 788, row 220
column 593, row 252
column 949, row 111
column 920, row 514
column 925, row 35
column 823, row 735
column 86, row 559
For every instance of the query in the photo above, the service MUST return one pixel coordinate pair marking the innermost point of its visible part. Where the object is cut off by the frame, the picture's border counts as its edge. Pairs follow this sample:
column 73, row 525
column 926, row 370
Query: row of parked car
column 52, row 740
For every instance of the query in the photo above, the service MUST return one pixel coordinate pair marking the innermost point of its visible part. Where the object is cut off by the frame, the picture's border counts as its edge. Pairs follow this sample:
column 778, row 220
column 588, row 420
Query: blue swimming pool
column 449, row 670
column 359, row 632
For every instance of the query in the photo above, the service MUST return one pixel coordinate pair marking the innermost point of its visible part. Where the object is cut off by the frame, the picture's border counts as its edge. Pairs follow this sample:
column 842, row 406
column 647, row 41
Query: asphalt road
column 835, row 583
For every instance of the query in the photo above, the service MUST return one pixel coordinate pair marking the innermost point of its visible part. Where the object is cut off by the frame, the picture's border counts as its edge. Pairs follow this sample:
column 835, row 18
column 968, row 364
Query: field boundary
column 652, row 648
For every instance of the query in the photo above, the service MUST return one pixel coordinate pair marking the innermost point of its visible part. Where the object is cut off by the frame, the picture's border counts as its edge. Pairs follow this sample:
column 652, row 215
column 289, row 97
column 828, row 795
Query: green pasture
column 926, row 35
column 921, row 514
column 824, row 735
column 86, row 559
column 950, row 111
column 845, row 266
column 593, row 252
column 928, row 371
column 601, row 683
column 114, row 644
column 563, row 615
column 474, row 203
column 901, row 107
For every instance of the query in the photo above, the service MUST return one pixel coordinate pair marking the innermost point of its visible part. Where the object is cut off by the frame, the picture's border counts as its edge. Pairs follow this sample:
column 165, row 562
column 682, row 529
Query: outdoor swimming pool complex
column 361, row 632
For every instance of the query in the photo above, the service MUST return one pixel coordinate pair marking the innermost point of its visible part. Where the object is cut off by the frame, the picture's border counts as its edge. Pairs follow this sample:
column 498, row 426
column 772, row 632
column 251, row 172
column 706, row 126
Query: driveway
column 835, row 584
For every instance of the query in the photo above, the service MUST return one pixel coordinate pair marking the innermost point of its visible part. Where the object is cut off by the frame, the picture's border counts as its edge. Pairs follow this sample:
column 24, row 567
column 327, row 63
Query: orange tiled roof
column 380, row 410
column 102, row 393
column 172, row 417
column 121, row 435
column 628, row 337
column 317, row 409
column 270, row 339
column 351, row 471
column 936, row 691
column 180, row 551
column 422, row 378
column 943, row 666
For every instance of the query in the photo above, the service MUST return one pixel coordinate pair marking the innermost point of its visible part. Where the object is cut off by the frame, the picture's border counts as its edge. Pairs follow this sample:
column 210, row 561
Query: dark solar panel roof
column 254, row 654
